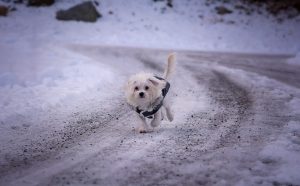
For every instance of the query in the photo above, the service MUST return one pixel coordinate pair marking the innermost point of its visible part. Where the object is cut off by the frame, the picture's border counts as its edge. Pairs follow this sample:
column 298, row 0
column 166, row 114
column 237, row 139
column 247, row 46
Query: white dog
column 146, row 94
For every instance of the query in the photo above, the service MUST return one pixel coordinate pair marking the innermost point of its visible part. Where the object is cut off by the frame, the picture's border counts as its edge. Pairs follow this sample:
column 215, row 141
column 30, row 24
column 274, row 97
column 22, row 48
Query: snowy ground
column 64, row 120
column 188, row 25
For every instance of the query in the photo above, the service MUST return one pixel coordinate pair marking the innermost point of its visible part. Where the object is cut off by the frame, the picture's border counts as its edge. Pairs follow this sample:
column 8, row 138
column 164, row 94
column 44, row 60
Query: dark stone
column 277, row 7
column 18, row 1
column 3, row 10
column 40, row 2
column 82, row 12
column 170, row 3
column 283, row 6
column 222, row 10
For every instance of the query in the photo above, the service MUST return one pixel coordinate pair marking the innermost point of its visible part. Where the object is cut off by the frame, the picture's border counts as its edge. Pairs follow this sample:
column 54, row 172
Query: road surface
column 228, row 108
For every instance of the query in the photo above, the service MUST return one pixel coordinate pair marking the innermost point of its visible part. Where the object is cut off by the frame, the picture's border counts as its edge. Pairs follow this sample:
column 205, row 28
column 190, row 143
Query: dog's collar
column 157, row 106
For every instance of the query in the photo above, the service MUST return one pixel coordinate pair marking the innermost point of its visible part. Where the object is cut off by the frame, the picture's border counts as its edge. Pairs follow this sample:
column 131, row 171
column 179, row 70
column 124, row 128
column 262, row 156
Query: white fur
column 145, row 84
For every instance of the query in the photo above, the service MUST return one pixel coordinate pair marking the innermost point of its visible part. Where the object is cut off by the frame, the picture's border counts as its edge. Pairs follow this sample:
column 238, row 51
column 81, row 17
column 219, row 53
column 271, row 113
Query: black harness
column 149, row 114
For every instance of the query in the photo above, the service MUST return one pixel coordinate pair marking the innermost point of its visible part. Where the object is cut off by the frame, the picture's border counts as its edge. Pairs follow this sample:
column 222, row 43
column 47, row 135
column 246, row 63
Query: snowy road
column 236, row 123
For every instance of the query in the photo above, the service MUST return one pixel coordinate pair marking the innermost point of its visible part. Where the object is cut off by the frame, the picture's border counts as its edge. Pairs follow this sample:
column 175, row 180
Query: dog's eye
column 146, row 87
column 136, row 88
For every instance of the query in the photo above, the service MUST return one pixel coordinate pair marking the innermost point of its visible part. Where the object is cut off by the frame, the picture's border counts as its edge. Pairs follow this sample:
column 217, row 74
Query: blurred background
column 209, row 25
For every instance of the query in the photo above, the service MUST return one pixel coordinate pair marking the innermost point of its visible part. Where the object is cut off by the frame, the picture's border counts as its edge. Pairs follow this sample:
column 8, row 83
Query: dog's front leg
column 157, row 119
column 143, row 127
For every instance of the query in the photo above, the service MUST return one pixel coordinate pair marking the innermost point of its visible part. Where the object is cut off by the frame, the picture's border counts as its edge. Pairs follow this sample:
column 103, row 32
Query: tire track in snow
column 232, row 105
column 49, row 146
column 103, row 144
column 236, row 103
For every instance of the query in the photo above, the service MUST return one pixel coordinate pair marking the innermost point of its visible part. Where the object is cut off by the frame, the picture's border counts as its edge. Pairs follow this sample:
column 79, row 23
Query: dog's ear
column 154, row 81
column 157, row 83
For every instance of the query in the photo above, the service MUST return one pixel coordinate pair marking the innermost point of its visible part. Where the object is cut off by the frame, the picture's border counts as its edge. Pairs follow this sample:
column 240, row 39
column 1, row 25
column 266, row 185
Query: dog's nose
column 141, row 94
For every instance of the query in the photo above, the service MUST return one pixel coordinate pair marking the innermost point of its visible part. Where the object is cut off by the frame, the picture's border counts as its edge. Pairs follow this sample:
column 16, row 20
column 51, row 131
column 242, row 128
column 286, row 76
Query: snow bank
column 283, row 153
column 188, row 25
column 37, row 78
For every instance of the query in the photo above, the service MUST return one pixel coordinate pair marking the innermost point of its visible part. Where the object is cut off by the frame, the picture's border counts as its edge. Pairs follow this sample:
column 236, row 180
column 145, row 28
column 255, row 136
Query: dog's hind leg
column 162, row 114
column 169, row 113
column 157, row 119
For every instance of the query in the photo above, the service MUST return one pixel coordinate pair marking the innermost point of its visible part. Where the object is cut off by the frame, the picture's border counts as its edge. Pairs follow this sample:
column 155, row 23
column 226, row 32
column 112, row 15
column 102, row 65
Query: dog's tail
column 170, row 68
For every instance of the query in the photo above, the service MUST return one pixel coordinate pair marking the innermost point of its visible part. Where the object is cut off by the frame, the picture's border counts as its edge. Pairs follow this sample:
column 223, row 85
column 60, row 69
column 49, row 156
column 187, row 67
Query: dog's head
column 143, row 89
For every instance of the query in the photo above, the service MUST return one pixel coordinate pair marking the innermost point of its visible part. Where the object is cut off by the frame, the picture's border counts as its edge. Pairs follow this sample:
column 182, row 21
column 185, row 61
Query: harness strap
column 167, row 87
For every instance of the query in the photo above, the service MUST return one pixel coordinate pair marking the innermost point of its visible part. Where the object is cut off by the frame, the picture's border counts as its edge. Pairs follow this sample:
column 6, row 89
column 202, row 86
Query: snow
column 151, row 25
column 284, row 150
column 294, row 104
column 46, row 79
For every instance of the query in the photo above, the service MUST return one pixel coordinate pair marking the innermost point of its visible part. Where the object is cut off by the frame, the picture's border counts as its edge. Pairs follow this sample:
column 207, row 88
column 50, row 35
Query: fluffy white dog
column 146, row 94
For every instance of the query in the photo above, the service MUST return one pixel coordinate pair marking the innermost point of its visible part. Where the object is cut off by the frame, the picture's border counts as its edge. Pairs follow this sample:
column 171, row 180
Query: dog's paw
column 141, row 130
column 170, row 116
